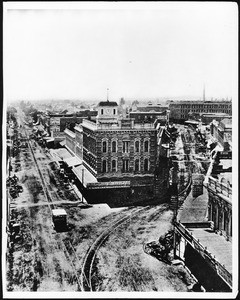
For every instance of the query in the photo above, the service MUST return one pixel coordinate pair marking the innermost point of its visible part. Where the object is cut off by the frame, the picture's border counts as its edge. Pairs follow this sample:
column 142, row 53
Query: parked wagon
column 59, row 218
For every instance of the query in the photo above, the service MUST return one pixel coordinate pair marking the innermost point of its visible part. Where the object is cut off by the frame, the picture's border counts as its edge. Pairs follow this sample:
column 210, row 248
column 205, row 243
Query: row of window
column 125, row 167
column 202, row 106
column 126, row 146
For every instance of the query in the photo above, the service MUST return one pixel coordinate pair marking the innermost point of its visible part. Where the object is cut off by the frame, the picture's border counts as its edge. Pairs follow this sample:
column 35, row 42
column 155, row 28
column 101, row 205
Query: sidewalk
column 194, row 209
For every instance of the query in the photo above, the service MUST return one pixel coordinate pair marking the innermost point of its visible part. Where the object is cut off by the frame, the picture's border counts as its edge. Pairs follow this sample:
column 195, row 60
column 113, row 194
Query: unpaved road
column 43, row 260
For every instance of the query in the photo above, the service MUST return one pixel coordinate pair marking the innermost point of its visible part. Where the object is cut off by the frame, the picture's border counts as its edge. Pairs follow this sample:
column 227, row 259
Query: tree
column 121, row 102
column 135, row 102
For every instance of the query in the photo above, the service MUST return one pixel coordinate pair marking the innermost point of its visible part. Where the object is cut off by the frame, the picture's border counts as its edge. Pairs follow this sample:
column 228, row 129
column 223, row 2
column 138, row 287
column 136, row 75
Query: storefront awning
column 73, row 161
column 63, row 143
column 84, row 176
column 48, row 140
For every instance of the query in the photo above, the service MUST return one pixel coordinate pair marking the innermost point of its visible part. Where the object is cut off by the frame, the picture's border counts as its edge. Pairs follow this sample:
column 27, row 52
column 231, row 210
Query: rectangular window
column 126, row 146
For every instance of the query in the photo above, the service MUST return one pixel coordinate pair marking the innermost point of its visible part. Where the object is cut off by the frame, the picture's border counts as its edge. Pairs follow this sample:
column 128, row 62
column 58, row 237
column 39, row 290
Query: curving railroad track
column 87, row 266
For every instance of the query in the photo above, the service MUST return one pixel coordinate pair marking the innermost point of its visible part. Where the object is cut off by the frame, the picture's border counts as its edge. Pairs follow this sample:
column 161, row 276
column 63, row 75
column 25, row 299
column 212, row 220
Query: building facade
column 54, row 126
column 149, row 113
column 222, row 132
column 119, row 151
column 183, row 110
column 57, row 123
column 70, row 138
column 114, row 148
column 220, row 205
column 207, row 118
column 78, row 141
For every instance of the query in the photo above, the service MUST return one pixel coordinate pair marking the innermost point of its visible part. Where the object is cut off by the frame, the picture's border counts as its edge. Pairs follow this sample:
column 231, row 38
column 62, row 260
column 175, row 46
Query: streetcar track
column 49, row 196
column 86, row 274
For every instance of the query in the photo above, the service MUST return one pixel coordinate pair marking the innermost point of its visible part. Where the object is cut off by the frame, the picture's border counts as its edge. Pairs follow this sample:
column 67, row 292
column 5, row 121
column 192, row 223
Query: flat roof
column 148, row 112
column 59, row 212
column 69, row 132
column 60, row 154
column 214, row 114
column 192, row 122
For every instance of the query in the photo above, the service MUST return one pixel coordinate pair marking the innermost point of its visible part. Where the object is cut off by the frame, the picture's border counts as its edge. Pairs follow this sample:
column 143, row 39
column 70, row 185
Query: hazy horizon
column 164, row 51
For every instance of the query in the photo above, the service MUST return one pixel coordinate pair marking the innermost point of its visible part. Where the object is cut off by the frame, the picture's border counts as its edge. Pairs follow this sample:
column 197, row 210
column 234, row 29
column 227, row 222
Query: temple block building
column 121, row 157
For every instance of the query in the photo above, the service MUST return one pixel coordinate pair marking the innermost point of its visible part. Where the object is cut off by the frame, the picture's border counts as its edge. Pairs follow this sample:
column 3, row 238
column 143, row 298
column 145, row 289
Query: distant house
column 207, row 118
column 149, row 113
column 222, row 132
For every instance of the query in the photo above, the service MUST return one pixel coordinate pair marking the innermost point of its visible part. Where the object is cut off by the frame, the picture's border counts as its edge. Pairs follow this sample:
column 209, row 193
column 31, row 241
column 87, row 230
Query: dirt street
column 43, row 260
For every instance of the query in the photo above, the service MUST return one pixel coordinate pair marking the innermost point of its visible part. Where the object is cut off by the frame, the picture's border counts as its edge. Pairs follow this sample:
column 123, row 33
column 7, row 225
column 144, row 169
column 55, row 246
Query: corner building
column 120, row 152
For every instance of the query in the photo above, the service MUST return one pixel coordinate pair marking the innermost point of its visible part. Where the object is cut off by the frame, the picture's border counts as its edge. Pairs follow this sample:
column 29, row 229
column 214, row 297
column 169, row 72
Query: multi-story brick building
column 120, row 152
column 182, row 110
column 70, row 138
column 57, row 123
column 78, row 141
column 54, row 126
column 70, row 121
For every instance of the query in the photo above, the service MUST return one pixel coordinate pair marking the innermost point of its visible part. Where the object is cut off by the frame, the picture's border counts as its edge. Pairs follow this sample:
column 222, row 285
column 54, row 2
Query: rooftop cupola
column 107, row 111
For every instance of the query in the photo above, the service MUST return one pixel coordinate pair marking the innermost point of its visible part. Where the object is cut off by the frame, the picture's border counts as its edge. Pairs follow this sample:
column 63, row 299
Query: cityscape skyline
column 163, row 51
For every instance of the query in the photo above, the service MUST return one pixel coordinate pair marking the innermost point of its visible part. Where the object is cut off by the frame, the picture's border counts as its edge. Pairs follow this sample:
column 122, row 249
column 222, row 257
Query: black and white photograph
column 120, row 150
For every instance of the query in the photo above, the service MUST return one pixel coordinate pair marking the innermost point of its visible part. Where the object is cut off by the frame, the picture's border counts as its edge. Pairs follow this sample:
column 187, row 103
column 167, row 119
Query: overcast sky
column 160, row 50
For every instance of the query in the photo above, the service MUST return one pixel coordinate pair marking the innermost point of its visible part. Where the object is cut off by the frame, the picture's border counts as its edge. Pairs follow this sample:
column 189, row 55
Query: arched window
column 125, row 165
column 114, row 165
column 114, row 111
column 101, row 111
column 137, row 165
column 146, row 146
column 104, row 166
column 104, row 147
column 137, row 147
column 145, row 164
column 114, row 146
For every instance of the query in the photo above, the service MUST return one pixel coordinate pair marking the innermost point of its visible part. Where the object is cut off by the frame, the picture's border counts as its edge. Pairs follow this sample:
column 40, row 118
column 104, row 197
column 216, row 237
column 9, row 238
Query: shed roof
column 59, row 212
column 73, row 161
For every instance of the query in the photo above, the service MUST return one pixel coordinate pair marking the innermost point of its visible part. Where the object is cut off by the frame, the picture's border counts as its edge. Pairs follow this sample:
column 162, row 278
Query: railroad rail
column 49, row 194
column 86, row 273
column 44, row 185
column 87, row 266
